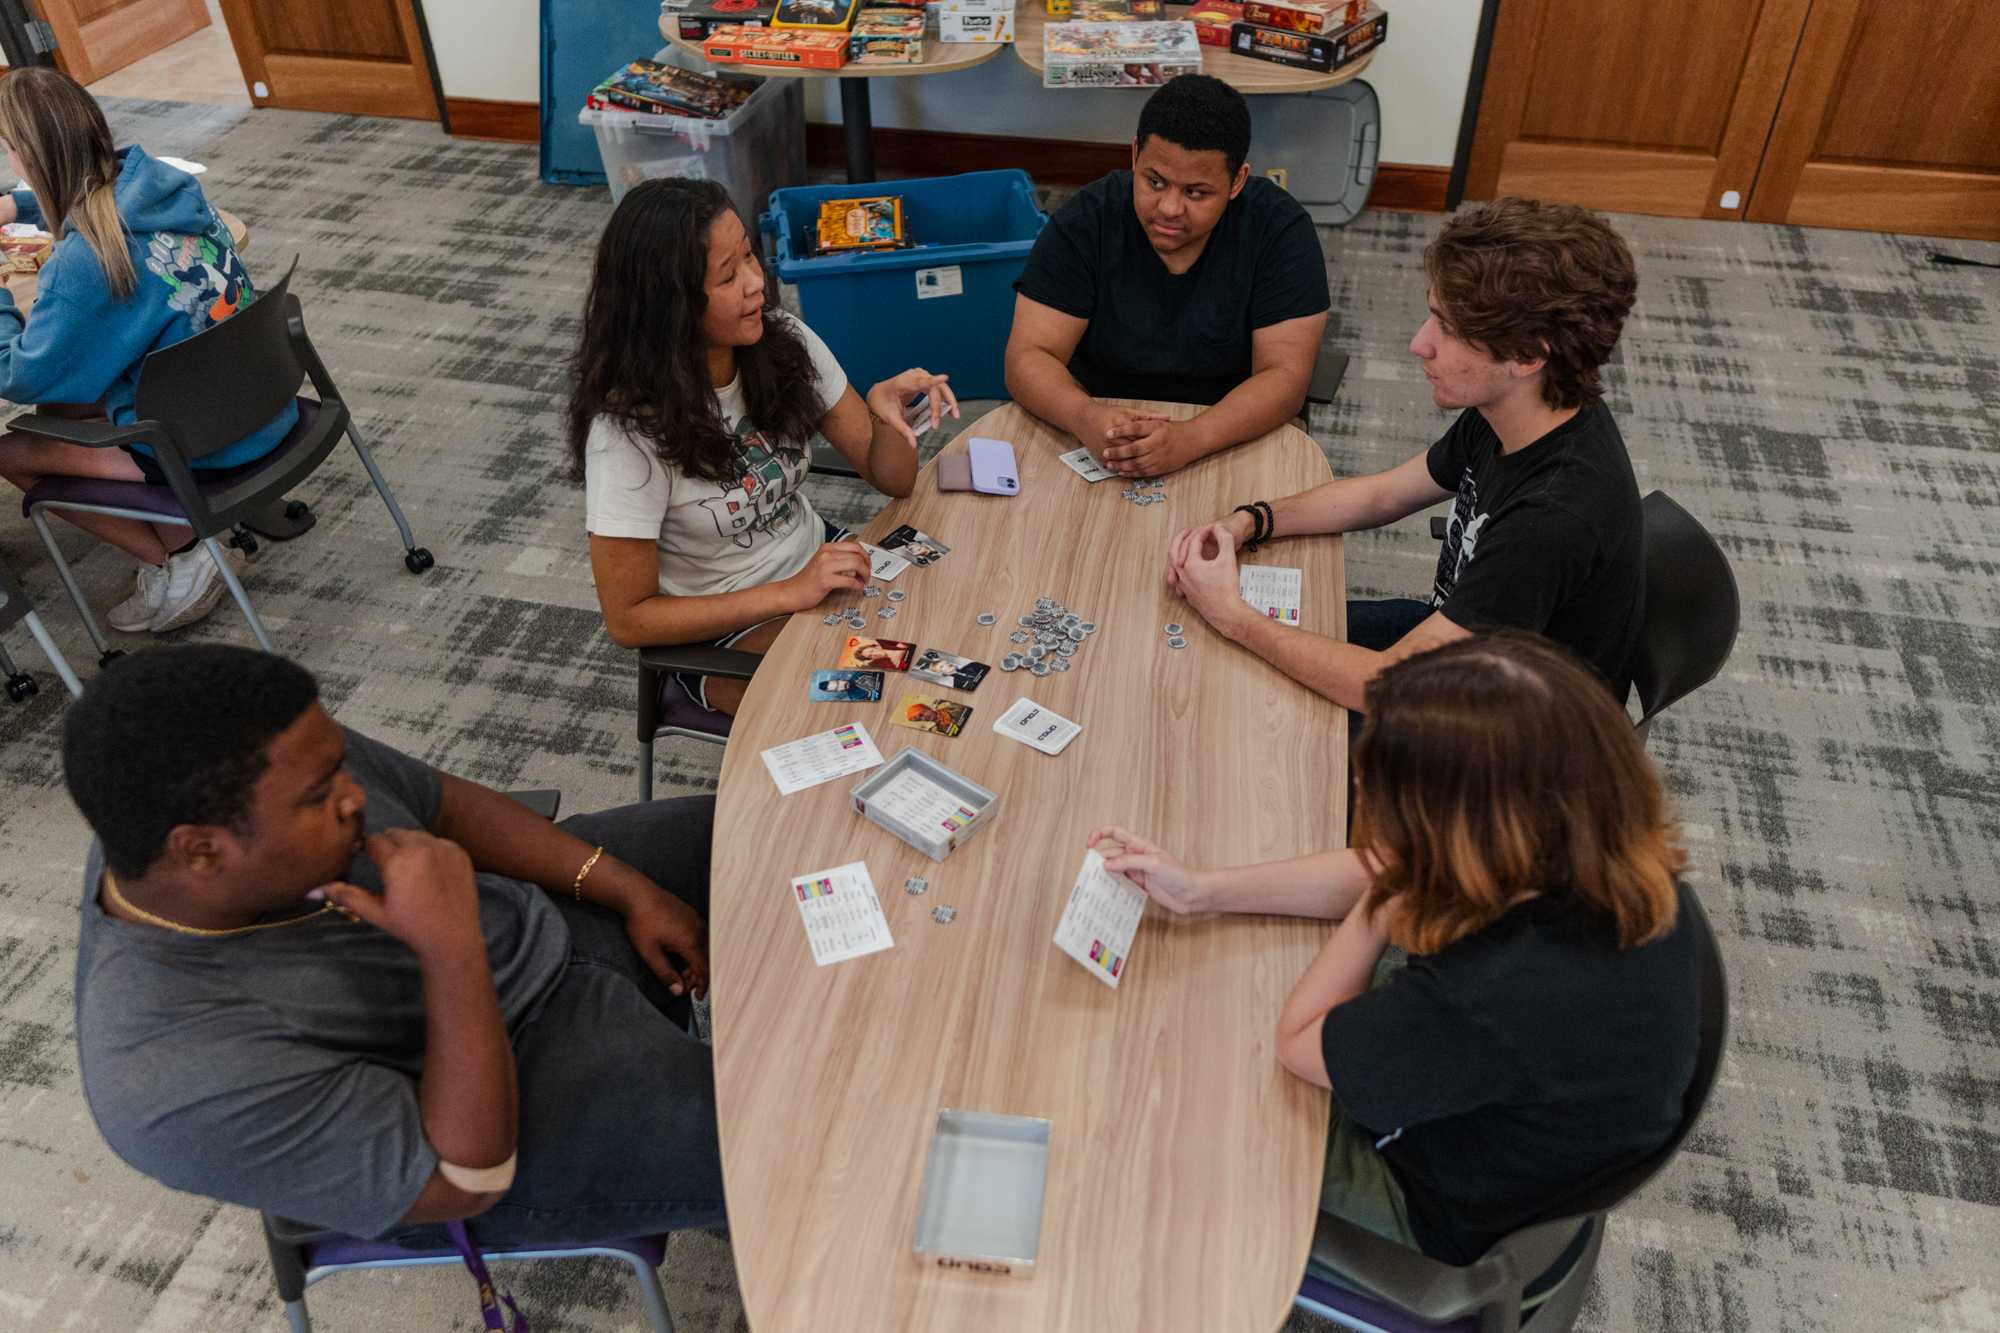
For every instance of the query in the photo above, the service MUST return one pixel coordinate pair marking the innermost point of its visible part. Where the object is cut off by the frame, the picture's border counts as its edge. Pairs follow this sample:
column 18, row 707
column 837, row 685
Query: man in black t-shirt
column 1184, row 279
column 1526, row 303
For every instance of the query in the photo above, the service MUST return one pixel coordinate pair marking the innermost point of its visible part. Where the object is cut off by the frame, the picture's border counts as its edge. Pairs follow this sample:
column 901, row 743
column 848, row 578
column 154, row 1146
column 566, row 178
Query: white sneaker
column 194, row 586
column 135, row 614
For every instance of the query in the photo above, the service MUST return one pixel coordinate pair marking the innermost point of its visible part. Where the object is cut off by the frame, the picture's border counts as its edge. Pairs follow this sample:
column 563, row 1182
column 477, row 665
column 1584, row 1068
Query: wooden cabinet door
column 364, row 57
column 97, row 37
column 1642, row 107
column 1891, row 121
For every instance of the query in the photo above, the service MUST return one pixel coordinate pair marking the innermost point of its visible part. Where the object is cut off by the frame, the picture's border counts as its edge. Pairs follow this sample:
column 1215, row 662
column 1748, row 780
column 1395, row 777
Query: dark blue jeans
column 1379, row 625
column 617, row 1133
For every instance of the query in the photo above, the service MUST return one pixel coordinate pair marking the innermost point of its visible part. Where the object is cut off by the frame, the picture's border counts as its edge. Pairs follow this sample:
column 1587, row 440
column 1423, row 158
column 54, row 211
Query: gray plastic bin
column 1303, row 134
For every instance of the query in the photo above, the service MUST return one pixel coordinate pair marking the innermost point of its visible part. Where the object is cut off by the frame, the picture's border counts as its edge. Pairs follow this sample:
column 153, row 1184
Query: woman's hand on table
column 1165, row 880
column 890, row 402
column 836, row 567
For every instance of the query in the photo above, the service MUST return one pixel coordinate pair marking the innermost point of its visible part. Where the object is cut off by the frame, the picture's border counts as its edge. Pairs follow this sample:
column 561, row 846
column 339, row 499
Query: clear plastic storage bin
column 758, row 148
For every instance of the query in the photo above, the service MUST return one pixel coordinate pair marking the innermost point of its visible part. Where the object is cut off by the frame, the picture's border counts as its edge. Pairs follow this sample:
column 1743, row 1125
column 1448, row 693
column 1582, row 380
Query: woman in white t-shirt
column 695, row 407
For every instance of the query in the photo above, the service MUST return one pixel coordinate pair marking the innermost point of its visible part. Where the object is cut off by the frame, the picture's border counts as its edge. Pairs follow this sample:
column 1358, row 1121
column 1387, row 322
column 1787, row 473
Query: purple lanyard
column 489, row 1305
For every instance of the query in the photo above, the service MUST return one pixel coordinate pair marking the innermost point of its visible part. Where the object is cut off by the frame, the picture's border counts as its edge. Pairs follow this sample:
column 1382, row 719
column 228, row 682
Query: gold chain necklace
column 126, row 904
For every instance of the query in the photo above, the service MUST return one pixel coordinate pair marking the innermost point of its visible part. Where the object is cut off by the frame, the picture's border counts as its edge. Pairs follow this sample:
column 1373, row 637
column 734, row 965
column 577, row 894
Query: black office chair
column 195, row 398
column 16, row 609
column 1396, row 1289
column 1692, row 609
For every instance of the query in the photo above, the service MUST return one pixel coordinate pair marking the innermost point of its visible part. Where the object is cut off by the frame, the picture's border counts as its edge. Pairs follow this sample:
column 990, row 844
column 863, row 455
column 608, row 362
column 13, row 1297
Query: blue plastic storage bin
column 945, row 304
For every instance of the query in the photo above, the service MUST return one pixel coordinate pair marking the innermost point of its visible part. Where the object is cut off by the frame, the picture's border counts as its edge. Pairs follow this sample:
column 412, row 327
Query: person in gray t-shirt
column 320, row 978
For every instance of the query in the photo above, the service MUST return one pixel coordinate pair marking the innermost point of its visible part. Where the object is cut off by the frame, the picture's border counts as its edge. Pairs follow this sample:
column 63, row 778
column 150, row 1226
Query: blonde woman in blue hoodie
column 141, row 261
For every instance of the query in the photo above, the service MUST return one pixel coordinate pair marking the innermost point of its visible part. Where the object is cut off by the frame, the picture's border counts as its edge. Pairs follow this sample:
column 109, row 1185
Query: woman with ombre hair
column 1512, row 838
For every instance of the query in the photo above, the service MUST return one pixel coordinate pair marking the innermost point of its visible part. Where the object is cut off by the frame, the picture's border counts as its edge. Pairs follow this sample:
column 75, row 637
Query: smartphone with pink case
column 993, row 469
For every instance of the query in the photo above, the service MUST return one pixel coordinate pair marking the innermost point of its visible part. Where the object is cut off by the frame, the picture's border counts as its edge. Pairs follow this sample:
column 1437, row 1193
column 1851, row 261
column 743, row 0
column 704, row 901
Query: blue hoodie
column 83, row 346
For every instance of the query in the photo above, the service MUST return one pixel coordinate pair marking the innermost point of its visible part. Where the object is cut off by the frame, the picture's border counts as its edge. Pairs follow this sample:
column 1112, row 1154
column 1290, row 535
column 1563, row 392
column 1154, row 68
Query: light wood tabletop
column 1184, row 1164
column 27, row 286
column 939, row 58
column 1246, row 75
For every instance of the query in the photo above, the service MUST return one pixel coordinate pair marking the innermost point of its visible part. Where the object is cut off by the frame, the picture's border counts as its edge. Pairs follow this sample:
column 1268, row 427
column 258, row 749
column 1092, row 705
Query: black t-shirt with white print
column 1547, row 538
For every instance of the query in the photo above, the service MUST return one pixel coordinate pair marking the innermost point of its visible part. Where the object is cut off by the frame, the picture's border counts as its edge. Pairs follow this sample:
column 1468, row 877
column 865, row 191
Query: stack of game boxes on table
column 1115, row 44
column 651, row 88
column 807, row 34
column 1315, row 35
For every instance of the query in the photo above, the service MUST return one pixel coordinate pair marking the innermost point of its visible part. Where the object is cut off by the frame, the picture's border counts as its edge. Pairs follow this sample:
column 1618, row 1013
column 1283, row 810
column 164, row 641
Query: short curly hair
column 1522, row 279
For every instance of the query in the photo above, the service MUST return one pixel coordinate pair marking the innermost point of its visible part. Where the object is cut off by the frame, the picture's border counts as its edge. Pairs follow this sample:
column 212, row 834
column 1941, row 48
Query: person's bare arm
column 638, row 615
column 874, row 436
column 1281, row 366
column 1343, row 969
column 1323, row 885
column 1039, row 347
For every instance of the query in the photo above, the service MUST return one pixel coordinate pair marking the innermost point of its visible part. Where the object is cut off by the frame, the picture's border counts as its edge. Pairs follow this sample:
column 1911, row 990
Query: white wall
column 488, row 48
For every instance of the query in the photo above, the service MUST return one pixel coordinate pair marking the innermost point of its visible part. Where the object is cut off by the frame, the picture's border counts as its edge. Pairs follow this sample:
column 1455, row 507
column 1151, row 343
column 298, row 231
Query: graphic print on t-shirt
column 1461, row 539
column 764, row 500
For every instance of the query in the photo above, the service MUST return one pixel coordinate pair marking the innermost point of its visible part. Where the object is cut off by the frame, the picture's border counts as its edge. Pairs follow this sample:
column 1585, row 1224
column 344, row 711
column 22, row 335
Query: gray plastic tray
column 934, row 843
column 1326, row 142
column 982, row 1201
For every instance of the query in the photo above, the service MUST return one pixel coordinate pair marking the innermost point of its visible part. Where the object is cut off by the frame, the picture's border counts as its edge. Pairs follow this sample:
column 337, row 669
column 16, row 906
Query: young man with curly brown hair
column 1526, row 303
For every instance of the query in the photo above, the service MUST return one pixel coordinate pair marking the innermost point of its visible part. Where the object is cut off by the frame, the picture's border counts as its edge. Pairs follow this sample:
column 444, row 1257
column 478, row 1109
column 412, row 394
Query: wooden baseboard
column 1398, row 186
column 508, row 122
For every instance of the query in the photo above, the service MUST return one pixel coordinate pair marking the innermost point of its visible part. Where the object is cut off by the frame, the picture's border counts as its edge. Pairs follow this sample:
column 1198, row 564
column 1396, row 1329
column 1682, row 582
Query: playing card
column 922, row 712
column 1101, row 920
column 1033, row 725
column 1081, row 463
column 919, row 548
column 846, row 686
column 882, row 565
column 941, row 667
column 1273, row 590
column 876, row 654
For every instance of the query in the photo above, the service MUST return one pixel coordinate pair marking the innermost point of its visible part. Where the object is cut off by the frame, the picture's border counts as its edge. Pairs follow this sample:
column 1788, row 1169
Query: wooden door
column 1891, row 121
column 1644, row 108
column 97, row 37
column 364, row 57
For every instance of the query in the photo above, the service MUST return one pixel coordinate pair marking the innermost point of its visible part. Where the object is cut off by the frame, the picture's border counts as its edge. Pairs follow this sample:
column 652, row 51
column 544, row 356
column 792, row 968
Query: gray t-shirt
column 278, row 1069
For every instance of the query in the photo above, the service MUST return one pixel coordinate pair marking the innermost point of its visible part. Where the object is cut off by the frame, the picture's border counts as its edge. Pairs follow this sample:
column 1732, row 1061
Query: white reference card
column 812, row 760
column 919, row 803
column 1031, row 724
column 1084, row 465
column 1101, row 920
column 1273, row 590
column 884, row 565
column 843, row 917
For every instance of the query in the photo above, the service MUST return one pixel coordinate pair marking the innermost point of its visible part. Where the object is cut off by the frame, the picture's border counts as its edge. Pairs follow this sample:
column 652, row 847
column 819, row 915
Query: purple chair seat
column 681, row 713
column 144, row 496
column 1369, row 1310
column 351, row 1250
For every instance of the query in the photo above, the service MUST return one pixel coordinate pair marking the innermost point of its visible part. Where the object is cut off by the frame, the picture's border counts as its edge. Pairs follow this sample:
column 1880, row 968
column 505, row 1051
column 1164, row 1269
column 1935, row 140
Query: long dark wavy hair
column 642, row 360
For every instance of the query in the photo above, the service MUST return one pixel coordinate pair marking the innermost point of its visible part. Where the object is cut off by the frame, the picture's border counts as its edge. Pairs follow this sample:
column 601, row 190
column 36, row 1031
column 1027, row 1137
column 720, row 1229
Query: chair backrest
column 1692, row 608
column 224, row 383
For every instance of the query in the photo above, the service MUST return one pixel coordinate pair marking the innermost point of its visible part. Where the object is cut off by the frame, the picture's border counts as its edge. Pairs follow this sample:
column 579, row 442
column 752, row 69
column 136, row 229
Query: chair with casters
column 1391, row 1288
column 1692, row 609
column 16, row 609
column 666, row 710
column 303, row 1255
column 195, row 398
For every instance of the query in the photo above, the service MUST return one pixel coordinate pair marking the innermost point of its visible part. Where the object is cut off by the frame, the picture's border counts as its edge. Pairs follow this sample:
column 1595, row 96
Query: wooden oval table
column 1243, row 73
column 1184, row 1164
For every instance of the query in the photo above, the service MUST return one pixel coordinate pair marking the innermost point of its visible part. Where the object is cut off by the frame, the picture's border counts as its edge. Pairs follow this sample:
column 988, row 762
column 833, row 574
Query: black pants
column 1380, row 625
column 617, row 1098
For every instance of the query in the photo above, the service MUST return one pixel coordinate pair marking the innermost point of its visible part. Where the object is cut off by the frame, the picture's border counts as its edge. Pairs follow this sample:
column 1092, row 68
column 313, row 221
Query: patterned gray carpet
column 1827, row 402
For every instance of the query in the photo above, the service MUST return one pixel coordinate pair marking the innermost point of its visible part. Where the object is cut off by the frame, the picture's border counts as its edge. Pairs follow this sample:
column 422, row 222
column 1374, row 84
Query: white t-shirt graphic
column 713, row 538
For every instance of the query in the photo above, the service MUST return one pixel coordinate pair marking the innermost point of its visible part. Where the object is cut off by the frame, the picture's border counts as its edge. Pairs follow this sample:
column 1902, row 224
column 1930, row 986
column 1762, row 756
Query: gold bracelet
column 577, row 887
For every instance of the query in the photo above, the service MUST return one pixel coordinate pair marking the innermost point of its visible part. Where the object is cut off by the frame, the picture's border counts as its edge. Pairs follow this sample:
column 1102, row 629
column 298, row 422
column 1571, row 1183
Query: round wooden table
column 856, row 118
column 1242, row 73
column 1184, row 1164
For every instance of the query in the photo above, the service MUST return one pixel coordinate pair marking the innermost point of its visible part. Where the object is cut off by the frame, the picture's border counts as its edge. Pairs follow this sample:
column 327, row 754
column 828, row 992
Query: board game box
column 1118, row 55
column 1115, row 11
column 1212, row 20
column 960, row 22
column 815, row 15
column 776, row 46
column 860, row 224
column 702, row 17
column 1317, row 17
column 1302, row 51
column 887, row 36
column 664, row 90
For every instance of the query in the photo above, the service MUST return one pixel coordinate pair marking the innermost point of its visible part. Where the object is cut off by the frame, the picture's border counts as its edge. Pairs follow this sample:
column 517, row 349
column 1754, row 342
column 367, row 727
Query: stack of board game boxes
column 651, row 88
column 812, row 34
column 1314, row 35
